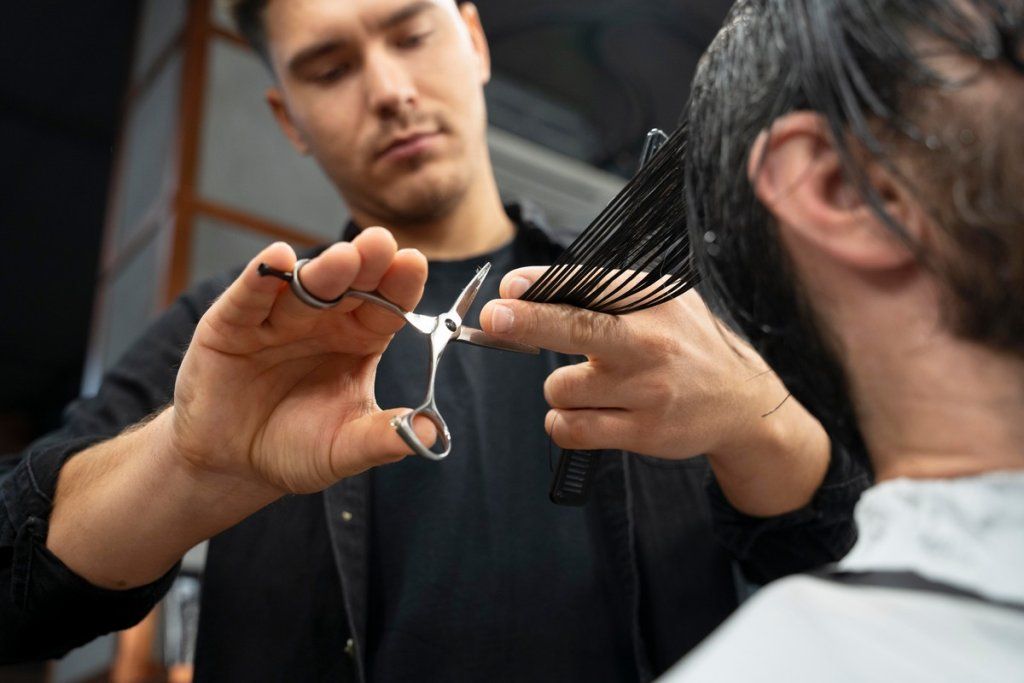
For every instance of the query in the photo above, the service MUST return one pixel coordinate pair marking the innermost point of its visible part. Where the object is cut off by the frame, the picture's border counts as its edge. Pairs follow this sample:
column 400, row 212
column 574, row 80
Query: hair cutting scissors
column 441, row 330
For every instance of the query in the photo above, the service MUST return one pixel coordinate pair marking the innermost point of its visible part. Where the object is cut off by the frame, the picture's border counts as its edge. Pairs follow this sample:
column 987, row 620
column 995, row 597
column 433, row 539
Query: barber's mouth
column 407, row 148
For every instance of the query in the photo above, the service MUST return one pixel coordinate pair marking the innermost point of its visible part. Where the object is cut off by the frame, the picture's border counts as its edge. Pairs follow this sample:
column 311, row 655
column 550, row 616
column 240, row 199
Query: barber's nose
column 389, row 87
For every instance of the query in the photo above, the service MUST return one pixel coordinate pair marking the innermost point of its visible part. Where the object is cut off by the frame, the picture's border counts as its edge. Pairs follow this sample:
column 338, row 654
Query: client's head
column 854, row 180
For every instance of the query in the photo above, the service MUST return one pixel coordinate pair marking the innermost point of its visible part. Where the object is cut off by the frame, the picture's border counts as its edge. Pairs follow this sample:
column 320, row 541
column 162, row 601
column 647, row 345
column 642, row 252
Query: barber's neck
column 932, row 405
column 475, row 224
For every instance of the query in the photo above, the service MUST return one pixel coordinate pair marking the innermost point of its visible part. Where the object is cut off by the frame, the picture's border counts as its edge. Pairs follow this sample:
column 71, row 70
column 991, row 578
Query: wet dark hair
column 857, row 63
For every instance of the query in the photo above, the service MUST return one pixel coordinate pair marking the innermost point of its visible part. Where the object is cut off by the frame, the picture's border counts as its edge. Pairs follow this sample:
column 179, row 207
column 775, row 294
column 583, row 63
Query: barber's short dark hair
column 856, row 63
column 248, row 18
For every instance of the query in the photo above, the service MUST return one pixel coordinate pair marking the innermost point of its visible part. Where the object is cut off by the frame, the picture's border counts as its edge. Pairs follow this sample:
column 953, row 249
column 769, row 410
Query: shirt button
column 346, row 516
column 350, row 648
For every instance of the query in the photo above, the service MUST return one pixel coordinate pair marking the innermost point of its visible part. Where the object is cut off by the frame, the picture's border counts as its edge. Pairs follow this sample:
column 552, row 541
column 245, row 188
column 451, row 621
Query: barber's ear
column 471, row 16
column 798, row 175
column 284, row 120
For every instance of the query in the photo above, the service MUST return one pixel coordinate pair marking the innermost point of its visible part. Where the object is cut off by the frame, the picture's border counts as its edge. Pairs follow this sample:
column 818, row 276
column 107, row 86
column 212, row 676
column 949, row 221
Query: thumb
column 371, row 440
column 517, row 281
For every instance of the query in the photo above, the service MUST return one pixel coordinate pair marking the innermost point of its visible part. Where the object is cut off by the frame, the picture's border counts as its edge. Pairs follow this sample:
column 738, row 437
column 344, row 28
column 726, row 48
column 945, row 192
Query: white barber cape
column 966, row 533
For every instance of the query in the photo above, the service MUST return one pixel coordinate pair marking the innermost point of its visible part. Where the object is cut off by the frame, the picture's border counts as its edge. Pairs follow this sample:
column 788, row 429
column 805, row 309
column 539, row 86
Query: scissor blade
column 465, row 300
column 471, row 335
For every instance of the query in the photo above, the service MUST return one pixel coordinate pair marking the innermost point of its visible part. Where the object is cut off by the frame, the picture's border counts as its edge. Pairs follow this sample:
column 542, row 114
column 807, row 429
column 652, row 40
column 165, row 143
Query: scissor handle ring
column 304, row 295
column 403, row 425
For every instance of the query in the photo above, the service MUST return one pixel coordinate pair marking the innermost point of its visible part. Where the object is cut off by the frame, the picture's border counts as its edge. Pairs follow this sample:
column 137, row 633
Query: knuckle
column 527, row 319
column 586, row 327
column 581, row 329
column 660, row 344
column 659, row 390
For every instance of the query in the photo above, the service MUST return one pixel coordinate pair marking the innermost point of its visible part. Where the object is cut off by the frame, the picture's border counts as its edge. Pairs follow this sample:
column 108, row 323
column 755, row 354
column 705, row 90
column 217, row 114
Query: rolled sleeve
column 45, row 608
column 821, row 532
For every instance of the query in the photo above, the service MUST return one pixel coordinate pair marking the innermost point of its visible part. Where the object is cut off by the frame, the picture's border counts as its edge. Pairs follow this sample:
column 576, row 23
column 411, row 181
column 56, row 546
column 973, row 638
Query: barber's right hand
column 278, row 395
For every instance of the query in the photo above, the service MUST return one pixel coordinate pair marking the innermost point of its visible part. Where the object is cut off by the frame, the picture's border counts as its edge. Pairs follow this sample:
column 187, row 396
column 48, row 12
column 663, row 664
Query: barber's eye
column 327, row 76
column 413, row 41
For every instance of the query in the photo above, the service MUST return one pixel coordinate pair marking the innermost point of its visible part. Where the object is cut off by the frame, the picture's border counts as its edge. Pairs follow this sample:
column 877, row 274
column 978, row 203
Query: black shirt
column 308, row 590
column 474, row 573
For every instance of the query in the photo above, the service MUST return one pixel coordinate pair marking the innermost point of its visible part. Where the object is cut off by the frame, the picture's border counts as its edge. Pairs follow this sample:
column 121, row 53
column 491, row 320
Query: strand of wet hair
column 636, row 253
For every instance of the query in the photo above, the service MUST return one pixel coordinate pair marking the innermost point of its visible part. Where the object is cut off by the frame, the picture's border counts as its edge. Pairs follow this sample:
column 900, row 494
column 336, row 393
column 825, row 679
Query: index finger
column 247, row 301
column 557, row 327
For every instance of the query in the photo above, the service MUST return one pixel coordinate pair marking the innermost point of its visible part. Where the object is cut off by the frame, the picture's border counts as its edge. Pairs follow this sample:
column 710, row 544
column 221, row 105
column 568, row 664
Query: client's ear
column 798, row 175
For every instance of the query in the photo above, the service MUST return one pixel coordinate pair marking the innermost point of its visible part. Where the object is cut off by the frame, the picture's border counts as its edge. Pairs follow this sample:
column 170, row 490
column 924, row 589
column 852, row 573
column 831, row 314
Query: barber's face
column 386, row 95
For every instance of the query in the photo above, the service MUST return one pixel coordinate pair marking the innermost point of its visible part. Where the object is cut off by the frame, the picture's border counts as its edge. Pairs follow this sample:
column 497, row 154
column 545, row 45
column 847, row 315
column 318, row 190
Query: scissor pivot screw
column 450, row 324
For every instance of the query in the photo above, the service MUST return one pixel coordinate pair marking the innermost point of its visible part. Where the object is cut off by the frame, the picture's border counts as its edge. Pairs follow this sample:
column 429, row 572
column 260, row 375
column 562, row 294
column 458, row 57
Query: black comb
column 642, row 231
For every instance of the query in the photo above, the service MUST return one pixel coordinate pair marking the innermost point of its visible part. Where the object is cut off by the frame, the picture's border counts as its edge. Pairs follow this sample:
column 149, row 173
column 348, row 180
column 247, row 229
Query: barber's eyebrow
column 311, row 53
column 397, row 17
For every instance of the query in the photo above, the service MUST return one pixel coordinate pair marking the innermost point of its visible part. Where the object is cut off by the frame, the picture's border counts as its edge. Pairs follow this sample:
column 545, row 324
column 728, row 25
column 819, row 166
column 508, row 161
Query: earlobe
column 279, row 109
column 799, row 176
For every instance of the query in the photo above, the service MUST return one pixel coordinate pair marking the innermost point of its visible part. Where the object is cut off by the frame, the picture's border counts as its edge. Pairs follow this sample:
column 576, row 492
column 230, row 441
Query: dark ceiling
column 612, row 69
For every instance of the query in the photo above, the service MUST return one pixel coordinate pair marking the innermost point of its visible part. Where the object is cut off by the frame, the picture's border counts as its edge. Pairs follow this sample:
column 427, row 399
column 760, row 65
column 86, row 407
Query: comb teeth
column 573, row 478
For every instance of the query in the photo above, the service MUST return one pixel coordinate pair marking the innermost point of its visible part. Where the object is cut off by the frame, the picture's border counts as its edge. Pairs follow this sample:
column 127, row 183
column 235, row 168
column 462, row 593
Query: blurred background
column 139, row 157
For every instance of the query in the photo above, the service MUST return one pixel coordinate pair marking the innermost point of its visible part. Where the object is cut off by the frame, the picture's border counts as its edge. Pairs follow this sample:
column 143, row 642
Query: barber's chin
column 424, row 198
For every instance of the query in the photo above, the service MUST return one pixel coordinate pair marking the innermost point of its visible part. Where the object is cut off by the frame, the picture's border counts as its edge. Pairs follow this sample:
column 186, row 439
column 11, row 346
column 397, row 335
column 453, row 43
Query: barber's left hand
column 673, row 382
column 669, row 381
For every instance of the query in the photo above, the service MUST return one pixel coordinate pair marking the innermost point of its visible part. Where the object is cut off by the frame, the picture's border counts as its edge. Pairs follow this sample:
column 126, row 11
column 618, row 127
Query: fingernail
column 517, row 287
column 502, row 319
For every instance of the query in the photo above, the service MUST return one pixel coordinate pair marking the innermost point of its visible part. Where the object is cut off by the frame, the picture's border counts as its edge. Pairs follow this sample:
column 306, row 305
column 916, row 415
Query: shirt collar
column 966, row 532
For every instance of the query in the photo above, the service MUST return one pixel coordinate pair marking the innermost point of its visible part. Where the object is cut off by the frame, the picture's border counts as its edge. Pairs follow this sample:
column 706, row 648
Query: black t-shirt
column 470, row 562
